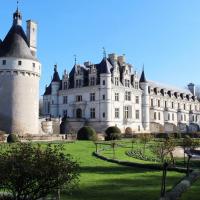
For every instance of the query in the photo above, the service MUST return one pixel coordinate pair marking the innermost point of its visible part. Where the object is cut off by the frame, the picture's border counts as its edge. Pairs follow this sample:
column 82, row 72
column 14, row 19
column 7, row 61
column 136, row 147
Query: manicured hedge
column 86, row 133
column 12, row 138
column 112, row 133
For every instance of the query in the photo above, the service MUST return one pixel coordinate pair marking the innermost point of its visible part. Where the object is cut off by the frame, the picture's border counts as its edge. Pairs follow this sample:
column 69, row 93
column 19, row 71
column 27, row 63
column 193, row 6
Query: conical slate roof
column 56, row 77
column 143, row 78
column 15, row 43
column 104, row 66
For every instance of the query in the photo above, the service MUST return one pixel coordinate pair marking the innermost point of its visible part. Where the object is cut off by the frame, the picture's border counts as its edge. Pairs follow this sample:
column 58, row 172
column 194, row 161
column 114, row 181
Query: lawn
column 102, row 180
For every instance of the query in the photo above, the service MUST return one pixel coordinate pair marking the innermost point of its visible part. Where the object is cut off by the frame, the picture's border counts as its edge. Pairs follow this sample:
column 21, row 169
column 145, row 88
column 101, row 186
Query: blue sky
column 164, row 35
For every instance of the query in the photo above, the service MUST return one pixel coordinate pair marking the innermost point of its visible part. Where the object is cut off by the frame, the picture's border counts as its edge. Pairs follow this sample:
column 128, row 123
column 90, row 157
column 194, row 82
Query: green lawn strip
column 104, row 180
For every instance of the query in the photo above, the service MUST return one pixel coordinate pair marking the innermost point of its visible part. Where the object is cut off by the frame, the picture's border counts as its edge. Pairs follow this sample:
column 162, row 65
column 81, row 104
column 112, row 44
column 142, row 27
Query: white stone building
column 19, row 79
column 111, row 94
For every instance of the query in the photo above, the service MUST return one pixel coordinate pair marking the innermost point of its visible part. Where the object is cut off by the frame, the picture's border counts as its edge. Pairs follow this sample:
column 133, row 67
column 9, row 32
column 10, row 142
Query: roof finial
column 75, row 59
column 55, row 68
column 104, row 52
column 143, row 67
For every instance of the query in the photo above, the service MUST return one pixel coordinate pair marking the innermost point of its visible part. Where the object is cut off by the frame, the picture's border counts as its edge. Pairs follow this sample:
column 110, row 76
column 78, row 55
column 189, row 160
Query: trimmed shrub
column 112, row 133
column 86, row 133
column 12, row 138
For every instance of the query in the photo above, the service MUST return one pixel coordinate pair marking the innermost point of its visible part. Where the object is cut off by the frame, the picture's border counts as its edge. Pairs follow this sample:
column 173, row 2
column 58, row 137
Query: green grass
column 103, row 180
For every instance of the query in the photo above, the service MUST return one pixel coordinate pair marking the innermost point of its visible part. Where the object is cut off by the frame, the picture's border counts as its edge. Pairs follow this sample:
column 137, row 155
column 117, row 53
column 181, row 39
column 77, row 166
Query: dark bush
column 112, row 133
column 86, row 133
column 12, row 138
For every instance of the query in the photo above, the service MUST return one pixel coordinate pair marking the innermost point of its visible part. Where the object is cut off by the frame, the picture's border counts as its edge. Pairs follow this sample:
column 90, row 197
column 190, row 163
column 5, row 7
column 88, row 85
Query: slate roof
column 56, row 77
column 169, row 87
column 143, row 78
column 48, row 90
column 15, row 44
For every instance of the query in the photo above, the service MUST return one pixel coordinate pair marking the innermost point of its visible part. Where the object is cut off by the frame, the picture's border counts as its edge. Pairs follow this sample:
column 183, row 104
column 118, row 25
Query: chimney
column 191, row 87
column 31, row 32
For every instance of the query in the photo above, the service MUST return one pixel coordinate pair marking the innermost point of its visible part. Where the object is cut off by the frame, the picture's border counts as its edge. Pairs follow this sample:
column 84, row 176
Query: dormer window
column 19, row 62
column 65, row 85
column 3, row 62
column 116, row 81
column 92, row 81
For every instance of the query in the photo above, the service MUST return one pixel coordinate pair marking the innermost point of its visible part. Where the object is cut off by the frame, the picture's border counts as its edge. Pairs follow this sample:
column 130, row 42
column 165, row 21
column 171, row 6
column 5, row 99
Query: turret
column 19, row 82
column 105, row 90
column 55, row 86
column 145, row 102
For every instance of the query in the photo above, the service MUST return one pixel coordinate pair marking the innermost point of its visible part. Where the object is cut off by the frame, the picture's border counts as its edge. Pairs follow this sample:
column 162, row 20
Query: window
column 184, row 117
column 64, row 99
column 92, row 81
column 103, row 114
column 151, row 102
column 116, row 81
column 116, row 112
column 64, row 113
column 181, row 117
column 165, row 104
column 126, row 112
column 3, row 62
column 193, row 118
column 104, row 82
column 92, row 113
column 158, row 103
column 92, row 96
column 172, row 117
column 103, row 97
column 190, row 107
column 137, row 99
column 127, row 83
column 116, row 96
column 172, row 104
column 137, row 114
column 136, row 85
column 184, row 106
column 19, row 62
column 178, row 105
column 196, row 118
column 33, row 64
column 65, row 85
column 168, row 116
column 78, row 98
column 128, row 96
column 155, row 115
column 78, row 83
column 159, row 116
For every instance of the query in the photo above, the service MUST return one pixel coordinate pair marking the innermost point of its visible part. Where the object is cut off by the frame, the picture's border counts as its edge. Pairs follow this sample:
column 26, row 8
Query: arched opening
column 78, row 113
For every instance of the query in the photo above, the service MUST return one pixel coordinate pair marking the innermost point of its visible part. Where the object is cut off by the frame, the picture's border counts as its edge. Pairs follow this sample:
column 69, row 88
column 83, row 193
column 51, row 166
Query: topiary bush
column 86, row 133
column 12, row 138
column 113, row 133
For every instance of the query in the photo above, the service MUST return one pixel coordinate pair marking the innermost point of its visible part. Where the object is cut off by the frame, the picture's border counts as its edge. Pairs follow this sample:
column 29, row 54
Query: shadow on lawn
column 137, row 188
column 113, row 169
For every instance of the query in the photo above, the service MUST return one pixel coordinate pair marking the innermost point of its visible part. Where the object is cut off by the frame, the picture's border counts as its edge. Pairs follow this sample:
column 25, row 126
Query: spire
column 17, row 17
column 104, row 53
column 143, row 78
column 75, row 59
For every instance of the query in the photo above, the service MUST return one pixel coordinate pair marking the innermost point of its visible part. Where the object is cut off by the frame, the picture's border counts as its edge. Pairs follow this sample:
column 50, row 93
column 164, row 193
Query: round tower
column 19, row 80
column 145, row 102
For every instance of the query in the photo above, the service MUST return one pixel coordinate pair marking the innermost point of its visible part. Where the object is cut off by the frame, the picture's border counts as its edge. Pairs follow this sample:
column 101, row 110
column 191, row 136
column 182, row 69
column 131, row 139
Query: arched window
column 78, row 113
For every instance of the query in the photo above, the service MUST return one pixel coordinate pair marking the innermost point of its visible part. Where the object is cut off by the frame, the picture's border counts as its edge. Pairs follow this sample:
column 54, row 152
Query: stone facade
column 111, row 94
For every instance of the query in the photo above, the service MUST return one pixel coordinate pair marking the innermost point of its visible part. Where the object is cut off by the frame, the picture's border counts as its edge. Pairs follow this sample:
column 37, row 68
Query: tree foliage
column 86, row 133
column 112, row 133
column 30, row 172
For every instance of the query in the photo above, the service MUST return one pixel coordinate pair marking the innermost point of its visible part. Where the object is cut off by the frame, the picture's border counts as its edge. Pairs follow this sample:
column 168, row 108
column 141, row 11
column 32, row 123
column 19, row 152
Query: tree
column 144, row 139
column 31, row 172
column 165, row 148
